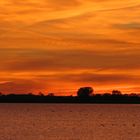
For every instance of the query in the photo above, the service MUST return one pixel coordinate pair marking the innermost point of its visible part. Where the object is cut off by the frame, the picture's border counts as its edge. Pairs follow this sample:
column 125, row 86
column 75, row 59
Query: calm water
column 69, row 122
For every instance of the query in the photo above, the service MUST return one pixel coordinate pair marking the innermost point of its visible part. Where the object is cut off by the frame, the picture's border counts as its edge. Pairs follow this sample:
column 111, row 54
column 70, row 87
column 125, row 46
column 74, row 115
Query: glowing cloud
column 53, row 44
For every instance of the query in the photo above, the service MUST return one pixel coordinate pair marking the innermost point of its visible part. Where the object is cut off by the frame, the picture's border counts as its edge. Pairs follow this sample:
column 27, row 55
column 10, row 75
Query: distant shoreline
column 94, row 99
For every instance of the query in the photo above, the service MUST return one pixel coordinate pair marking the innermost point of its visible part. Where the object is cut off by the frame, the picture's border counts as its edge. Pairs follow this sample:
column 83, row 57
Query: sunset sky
column 60, row 45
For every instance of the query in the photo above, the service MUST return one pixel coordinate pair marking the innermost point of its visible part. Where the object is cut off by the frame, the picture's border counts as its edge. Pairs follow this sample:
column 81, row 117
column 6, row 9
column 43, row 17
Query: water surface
column 69, row 122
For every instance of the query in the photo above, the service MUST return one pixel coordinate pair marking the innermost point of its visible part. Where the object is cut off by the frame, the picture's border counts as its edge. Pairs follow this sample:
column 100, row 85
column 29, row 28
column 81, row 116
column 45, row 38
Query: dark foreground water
column 69, row 122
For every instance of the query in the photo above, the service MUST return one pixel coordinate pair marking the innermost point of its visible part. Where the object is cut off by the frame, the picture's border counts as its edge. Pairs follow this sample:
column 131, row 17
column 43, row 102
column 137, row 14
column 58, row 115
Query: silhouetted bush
column 116, row 92
column 50, row 94
column 41, row 94
column 85, row 92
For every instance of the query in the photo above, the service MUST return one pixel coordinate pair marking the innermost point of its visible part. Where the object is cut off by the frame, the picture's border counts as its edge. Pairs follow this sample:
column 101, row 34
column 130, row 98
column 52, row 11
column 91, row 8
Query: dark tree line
column 84, row 95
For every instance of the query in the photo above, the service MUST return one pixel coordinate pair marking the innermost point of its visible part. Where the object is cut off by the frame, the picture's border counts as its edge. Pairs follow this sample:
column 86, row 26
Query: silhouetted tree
column 41, row 94
column 50, row 94
column 31, row 94
column 85, row 92
column 116, row 92
column 133, row 95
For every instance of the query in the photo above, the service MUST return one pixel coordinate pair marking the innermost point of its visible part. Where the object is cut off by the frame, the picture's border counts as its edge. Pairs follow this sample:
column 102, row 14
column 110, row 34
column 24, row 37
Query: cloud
column 98, row 79
column 129, row 26
column 42, row 60
column 33, row 11
column 87, row 77
column 22, row 86
column 61, row 39
column 60, row 82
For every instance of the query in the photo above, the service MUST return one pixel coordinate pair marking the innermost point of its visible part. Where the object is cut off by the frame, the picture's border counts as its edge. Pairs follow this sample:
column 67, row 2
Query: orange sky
column 58, row 45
